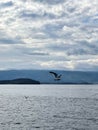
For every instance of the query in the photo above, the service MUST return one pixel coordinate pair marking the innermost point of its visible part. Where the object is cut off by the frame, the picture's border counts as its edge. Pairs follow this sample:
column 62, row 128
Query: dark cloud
column 29, row 14
column 86, row 66
column 51, row 2
column 38, row 53
column 78, row 48
column 10, row 41
column 82, row 50
column 53, row 27
column 6, row 4
column 51, row 30
column 90, row 47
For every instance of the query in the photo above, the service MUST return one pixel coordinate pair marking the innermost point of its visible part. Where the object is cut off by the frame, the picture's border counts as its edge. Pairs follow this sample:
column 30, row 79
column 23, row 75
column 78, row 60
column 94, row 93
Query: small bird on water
column 26, row 97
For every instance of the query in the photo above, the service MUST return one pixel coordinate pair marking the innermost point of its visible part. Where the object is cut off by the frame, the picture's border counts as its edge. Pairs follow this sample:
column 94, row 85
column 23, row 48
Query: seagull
column 57, row 77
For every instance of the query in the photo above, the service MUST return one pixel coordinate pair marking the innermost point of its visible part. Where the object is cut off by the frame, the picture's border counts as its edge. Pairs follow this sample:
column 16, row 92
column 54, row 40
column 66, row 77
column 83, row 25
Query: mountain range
column 45, row 77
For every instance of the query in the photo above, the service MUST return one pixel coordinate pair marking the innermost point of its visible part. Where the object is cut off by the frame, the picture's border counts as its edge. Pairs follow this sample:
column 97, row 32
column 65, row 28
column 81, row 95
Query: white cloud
column 49, row 34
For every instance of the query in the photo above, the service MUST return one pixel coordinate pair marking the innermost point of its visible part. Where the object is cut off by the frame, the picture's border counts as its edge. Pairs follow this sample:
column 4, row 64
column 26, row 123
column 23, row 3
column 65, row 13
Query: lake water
column 48, row 107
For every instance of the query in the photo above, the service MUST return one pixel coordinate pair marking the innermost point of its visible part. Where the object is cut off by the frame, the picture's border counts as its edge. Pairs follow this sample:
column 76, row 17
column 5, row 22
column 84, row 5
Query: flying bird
column 56, row 76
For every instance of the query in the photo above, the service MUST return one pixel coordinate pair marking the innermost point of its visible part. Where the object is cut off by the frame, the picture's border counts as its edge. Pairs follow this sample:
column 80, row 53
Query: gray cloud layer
column 60, row 34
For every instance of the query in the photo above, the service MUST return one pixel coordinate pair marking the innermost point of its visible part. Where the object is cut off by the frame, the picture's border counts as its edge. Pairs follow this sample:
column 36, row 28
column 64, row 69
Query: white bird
column 57, row 77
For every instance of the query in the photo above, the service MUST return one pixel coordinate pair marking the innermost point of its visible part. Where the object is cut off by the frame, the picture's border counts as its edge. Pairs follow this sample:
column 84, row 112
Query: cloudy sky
column 49, row 34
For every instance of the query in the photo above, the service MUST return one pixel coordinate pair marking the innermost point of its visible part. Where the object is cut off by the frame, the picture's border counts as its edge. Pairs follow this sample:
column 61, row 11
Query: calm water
column 49, row 107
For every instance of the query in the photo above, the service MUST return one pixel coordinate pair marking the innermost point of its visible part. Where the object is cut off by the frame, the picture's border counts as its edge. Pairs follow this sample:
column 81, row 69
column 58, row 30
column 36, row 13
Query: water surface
column 48, row 107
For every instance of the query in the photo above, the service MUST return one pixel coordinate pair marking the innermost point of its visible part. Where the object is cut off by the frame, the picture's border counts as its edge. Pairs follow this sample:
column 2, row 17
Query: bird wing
column 60, row 76
column 55, row 74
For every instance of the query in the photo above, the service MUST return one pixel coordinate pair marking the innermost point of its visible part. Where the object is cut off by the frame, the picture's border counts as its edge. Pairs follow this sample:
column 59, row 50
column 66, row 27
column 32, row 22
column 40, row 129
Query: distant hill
column 19, row 81
column 45, row 77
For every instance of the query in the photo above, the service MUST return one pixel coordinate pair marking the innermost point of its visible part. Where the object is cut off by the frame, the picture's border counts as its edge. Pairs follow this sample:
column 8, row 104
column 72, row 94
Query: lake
column 48, row 107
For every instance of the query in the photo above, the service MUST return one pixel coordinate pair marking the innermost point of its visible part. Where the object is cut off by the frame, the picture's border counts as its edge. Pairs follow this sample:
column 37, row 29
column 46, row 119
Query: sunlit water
column 49, row 107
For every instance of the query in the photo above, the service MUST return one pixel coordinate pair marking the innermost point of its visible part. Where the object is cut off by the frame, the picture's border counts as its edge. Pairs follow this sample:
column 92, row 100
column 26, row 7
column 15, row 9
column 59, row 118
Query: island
column 19, row 81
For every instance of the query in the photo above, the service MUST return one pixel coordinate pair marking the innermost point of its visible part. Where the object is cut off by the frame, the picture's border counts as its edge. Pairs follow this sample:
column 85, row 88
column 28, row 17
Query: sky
column 49, row 34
